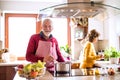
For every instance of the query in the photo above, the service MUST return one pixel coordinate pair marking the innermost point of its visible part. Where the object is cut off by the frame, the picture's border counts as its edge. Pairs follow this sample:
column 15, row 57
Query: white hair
column 47, row 20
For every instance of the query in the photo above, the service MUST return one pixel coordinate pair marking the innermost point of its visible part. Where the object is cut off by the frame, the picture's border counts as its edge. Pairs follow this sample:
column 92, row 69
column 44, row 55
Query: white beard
column 47, row 34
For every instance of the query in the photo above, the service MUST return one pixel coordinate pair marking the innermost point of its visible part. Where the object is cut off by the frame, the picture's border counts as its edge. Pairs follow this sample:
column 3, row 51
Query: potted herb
column 112, row 54
column 66, row 50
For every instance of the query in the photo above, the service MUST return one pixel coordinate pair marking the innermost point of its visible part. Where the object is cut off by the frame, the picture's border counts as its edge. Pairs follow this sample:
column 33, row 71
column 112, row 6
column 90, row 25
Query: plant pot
column 114, row 60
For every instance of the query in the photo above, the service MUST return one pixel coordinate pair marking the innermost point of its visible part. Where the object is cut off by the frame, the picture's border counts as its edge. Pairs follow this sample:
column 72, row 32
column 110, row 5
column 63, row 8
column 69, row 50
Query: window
column 60, row 30
column 20, row 30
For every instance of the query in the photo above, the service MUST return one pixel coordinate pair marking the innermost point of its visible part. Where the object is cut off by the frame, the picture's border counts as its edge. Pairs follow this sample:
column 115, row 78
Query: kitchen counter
column 7, row 70
column 14, row 63
column 48, row 76
column 25, row 62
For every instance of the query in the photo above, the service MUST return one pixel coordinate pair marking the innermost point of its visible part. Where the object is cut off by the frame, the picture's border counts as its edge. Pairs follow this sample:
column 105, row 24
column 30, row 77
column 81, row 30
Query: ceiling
column 27, row 6
column 35, row 0
column 33, row 6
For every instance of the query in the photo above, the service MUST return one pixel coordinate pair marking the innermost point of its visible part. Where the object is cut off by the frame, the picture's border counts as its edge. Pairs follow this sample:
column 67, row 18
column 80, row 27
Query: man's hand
column 48, row 58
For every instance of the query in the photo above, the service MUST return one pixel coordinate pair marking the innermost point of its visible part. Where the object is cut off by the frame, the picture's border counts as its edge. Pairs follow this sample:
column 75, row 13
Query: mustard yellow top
column 89, row 56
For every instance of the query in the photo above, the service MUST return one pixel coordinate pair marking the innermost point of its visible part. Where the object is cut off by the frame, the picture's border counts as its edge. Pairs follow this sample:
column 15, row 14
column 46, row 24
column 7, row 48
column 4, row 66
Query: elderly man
column 44, row 47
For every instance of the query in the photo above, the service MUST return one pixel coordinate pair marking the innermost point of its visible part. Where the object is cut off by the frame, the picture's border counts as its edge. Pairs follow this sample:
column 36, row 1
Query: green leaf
column 112, row 52
column 66, row 48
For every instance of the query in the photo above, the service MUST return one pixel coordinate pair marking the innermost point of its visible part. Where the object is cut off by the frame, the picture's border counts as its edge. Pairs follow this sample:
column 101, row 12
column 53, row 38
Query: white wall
column 97, row 23
column 28, row 6
column 111, row 29
column 115, row 3
column 108, row 27
column 0, row 31
column 0, row 24
column 118, row 24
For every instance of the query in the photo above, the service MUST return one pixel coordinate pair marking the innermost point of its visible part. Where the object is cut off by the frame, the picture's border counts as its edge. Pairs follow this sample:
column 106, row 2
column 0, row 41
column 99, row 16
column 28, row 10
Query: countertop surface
column 25, row 62
column 14, row 63
column 48, row 76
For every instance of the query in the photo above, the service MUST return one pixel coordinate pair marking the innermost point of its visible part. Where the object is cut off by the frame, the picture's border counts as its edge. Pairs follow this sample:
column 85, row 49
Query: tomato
column 33, row 74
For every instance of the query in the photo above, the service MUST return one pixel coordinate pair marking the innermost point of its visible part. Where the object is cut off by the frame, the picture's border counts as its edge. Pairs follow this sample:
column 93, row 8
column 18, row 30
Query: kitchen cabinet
column 7, row 72
column 77, row 34
column 98, row 25
column 80, row 32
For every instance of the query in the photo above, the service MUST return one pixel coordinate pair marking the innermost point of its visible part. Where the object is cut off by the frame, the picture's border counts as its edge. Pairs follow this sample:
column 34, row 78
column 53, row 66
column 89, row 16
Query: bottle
column 97, row 72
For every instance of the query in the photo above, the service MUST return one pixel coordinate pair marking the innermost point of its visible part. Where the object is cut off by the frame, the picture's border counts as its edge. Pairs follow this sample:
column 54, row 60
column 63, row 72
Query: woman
column 89, row 54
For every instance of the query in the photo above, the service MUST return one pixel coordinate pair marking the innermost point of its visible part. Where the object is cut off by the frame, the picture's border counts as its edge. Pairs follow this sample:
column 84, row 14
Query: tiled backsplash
column 101, row 45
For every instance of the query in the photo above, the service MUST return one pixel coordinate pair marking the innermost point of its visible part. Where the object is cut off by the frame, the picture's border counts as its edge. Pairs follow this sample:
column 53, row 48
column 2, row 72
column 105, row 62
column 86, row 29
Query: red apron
column 47, row 48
